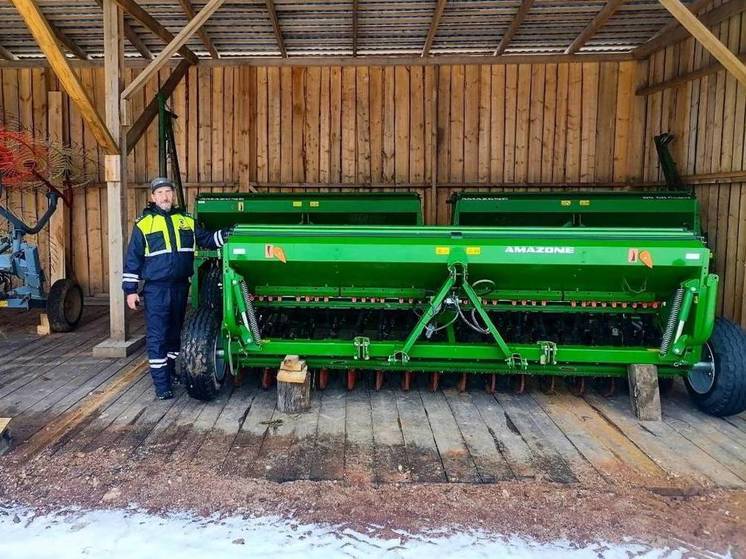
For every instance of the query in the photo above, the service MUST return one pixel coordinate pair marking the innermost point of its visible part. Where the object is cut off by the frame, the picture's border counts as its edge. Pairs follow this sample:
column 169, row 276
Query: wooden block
column 643, row 392
column 293, row 386
column 4, row 435
column 42, row 329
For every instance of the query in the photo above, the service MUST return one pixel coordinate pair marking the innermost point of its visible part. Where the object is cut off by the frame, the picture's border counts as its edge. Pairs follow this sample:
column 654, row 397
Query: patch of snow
column 128, row 533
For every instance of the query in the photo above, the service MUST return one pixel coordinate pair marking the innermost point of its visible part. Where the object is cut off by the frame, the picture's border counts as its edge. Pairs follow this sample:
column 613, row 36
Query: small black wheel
column 211, row 286
column 64, row 305
column 202, row 356
column 717, row 384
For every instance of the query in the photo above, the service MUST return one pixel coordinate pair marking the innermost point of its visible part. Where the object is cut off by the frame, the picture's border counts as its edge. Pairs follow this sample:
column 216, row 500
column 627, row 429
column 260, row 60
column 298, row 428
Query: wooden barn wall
column 372, row 128
column 707, row 117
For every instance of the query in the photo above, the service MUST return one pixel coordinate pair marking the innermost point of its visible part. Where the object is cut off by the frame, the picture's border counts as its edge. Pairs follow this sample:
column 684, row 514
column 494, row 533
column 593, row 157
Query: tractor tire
column 202, row 366
column 722, row 391
column 64, row 305
column 211, row 286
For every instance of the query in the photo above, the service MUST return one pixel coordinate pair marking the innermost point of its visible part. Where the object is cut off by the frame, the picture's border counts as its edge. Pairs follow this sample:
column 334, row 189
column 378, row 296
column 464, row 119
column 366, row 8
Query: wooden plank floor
column 363, row 435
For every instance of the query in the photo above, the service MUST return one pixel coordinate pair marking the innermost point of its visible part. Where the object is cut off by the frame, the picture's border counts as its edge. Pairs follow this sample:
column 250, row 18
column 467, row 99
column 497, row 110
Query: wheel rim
column 218, row 353
column 72, row 307
column 701, row 376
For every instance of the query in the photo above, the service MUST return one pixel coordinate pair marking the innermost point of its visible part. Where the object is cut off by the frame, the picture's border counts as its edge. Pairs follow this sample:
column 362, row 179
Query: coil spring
column 251, row 315
column 673, row 319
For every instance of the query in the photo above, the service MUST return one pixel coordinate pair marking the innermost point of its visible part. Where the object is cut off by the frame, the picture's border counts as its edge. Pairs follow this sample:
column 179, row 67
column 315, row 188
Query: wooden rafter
column 434, row 23
column 684, row 78
column 136, row 11
column 188, row 8
column 676, row 32
column 143, row 121
column 47, row 42
column 520, row 15
column 700, row 32
column 276, row 26
column 132, row 37
column 597, row 23
column 6, row 54
column 67, row 42
column 171, row 48
column 354, row 27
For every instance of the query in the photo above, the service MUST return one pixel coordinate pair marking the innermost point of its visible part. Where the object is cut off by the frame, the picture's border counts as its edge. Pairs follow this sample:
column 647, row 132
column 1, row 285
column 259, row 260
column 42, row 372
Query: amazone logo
column 540, row 250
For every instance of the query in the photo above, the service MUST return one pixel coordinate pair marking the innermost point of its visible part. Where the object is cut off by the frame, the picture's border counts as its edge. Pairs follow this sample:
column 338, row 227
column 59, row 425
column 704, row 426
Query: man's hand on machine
column 133, row 301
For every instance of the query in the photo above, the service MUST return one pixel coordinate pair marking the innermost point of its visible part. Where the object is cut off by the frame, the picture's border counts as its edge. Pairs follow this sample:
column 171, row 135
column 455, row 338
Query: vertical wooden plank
column 589, row 122
column 457, row 124
column 335, row 105
column 285, row 124
column 217, row 108
column 625, row 97
column 485, row 119
column 298, row 94
column 349, row 115
column 232, row 117
column 40, row 109
column 362, row 101
column 471, row 123
column 273, row 116
column 416, row 126
column 375, row 82
column 431, row 133
column 311, row 130
column 547, row 134
column 637, row 135
column 262, row 125
column 324, row 126
column 444, row 127
column 244, row 95
column 511, row 110
column 401, row 126
column 205, row 124
column 26, row 115
column 560, row 124
column 536, row 123
column 497, row 123
column 607, row 105
column 179, row 104
column 192, row 99
column 522, row 123
column 574, row 109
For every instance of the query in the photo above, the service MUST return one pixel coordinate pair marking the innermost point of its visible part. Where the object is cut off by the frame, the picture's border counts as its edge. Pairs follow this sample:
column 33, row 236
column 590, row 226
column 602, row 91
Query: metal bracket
column 361, row 348
column 548, row 353
column 515, row 361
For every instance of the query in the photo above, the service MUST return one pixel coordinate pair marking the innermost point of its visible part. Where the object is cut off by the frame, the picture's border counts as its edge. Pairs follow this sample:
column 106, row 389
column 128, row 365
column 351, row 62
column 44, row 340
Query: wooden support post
column 47, row 42
column 293, row 386
column 119, row 343
column 700, row 32
column 5, row 439
column 644, row 394
column 59, row 224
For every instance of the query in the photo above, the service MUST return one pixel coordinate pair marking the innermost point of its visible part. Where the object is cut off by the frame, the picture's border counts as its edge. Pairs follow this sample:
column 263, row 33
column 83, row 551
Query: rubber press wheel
column 211, row 287
column 718, row 384
column 203, row 363
column 64, row 305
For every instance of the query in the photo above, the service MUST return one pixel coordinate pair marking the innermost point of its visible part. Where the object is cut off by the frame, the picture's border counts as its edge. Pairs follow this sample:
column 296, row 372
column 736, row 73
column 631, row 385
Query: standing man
column 161, row 253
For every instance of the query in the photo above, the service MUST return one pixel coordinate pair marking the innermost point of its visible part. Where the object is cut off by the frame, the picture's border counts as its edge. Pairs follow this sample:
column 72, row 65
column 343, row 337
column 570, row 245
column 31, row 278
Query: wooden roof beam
column 354, row 27
column 674, row 32
column 276, row 26
column 593, row 27
column 434, row 23
column 171, row 48
column 684, row 78
column 47, row 42
column 6, row 54
column 188, row 8
column 700, row 32
column 133, row 37
column 67, row 42
column 135, row 10
column 520, row 15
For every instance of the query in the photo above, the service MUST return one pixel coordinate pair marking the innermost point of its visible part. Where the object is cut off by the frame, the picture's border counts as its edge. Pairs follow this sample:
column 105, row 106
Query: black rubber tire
column 64, row 305
column 728, row 393
column 199, row 367
column 210, row 286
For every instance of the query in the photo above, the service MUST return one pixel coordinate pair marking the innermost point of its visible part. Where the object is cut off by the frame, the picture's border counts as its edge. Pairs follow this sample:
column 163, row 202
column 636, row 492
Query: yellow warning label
column 297, row 204
column 585, row 202
column 3, row 303
column 313, row 204
column 566, row 202
column 442, row 251
column 472, row 251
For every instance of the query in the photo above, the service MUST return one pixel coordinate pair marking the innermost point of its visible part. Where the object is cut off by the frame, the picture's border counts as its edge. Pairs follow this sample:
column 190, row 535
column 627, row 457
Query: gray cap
column 158, row 182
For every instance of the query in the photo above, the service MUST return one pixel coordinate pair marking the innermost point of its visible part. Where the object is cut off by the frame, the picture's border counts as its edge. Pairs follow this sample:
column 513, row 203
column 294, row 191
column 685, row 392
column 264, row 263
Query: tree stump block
column 293, row 386
column 643, row 392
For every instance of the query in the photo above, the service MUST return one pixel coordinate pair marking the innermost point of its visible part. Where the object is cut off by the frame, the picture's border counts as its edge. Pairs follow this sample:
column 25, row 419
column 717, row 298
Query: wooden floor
column 362, row 435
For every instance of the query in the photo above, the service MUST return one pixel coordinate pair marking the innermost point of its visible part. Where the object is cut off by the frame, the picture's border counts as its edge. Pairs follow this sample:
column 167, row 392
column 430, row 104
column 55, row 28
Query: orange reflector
column 278, row 253
column 646, row 258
